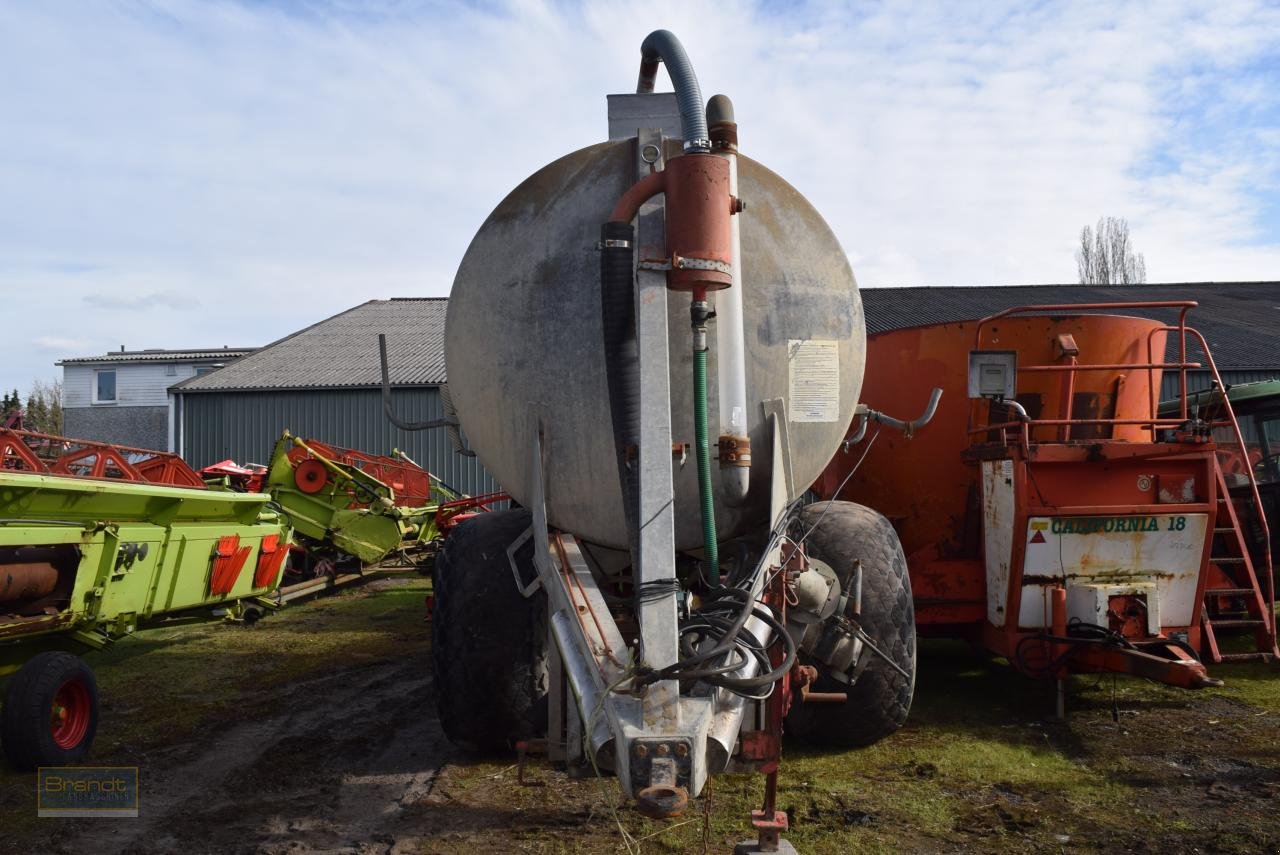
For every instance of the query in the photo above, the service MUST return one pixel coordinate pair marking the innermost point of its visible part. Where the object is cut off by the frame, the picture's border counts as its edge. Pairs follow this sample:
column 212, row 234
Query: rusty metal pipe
column 637, row 194
column 825, row 697
column 907, row 427
column 27, row 581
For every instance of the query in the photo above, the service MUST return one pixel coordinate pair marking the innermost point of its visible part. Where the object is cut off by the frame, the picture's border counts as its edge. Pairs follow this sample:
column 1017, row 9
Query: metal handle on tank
column 867, row 415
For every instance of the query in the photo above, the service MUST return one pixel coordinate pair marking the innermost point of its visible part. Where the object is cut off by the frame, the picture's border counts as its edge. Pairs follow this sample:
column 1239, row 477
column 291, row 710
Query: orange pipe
column 637, row 194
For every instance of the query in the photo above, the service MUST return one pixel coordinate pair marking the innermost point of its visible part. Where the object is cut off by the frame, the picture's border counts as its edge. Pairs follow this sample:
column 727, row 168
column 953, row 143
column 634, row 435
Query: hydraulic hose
column 617, row 313
column 702, row 451
column 662, row 46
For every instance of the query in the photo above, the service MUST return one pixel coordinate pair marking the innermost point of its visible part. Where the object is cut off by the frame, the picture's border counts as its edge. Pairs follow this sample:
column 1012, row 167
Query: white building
column 123, row 397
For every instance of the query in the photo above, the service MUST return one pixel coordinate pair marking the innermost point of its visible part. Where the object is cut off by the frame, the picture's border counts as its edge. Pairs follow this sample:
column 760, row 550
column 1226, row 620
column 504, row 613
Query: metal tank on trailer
column 525, row 348
column 656, row 344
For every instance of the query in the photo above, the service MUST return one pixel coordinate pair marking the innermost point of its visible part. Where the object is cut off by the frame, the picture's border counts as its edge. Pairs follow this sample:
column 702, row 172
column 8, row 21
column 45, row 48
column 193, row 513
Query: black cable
column 713, row 641
column 1080, row 635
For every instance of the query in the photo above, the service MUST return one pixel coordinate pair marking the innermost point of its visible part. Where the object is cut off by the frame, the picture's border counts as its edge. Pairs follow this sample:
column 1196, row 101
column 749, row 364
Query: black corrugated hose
column 617, row 312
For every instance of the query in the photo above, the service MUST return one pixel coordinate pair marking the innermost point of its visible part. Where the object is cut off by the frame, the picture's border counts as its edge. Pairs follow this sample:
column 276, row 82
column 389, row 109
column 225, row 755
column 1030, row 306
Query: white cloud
column 272, row 165
column 152, row 300
column 60, row 343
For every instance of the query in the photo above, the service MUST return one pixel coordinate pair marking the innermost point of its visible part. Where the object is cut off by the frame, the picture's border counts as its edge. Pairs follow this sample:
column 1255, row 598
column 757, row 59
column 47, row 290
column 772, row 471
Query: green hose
column 703, row 452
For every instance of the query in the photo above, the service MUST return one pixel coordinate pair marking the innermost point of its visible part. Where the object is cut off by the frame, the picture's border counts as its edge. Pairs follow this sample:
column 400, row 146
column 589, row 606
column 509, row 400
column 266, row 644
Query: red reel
column 310, row 475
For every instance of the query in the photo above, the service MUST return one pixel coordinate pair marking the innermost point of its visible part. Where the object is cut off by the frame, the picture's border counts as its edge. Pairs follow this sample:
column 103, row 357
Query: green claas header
column 338, row 503
column 89, row 546
column 96, row 538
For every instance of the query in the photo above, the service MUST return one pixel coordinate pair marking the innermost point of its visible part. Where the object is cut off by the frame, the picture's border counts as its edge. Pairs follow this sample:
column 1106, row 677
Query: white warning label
column 814, row 390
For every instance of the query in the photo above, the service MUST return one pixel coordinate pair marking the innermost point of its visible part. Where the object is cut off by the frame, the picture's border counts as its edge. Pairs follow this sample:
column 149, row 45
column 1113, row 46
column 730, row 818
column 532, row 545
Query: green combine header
column 95, row 539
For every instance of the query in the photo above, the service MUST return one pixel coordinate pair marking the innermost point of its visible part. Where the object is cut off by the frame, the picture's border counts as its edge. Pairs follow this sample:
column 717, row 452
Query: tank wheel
column 50, row 712
column 879, row 701
column 488, row 643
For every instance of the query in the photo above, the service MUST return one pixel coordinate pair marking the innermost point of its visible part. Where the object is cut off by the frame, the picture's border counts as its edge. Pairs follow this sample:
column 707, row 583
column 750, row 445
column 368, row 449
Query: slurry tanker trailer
column 656, row 344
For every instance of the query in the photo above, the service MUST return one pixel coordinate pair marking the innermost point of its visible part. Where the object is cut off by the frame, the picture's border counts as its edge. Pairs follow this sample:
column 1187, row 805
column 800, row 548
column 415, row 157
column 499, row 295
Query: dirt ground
column 315, row 732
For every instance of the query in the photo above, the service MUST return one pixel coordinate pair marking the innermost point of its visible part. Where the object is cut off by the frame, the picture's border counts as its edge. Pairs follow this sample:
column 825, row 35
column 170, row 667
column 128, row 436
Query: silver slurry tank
column 523, row 344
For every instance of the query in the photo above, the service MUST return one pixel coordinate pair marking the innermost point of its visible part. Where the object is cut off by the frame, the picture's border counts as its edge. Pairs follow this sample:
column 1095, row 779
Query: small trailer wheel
column 50, row 712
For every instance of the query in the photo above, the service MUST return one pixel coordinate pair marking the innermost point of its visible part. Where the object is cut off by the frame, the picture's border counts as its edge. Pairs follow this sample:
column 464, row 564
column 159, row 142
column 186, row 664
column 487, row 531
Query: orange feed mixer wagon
column 1048, row 512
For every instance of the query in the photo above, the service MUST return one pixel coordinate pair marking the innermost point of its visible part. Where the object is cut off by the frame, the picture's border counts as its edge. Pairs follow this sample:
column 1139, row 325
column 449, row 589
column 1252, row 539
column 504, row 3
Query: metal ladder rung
column 1228, row 592
column 1238, row 624
column 1225, row 560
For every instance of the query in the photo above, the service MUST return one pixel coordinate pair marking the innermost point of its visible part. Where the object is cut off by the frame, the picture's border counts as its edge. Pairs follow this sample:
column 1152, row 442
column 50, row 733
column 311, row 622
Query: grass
column 166, row 682
column 980, row 765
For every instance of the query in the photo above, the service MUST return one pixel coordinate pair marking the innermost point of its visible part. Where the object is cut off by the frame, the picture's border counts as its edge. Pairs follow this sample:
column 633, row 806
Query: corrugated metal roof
column 1240, row 320
column 342, row 351
column 157, row 355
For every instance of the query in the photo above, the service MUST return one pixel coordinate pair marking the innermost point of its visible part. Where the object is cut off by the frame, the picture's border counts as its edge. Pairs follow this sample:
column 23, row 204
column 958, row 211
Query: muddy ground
column 315, row 732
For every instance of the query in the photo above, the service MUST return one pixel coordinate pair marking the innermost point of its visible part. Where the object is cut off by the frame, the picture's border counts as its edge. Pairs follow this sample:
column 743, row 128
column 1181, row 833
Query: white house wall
column 137, row 385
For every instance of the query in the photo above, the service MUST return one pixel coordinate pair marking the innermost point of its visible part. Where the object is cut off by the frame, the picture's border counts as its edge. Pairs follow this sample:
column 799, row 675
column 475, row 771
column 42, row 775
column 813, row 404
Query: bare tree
column 44, row 407
column 1107, row 257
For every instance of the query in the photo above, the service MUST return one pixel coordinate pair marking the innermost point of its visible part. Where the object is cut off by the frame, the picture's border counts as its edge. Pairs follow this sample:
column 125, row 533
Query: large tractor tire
column 50, row 712
column 879, row 701
column 488, row 642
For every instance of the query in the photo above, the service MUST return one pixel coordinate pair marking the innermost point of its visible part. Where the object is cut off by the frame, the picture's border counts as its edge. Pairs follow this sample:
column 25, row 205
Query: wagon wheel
column 489, row 643
column 878, row 702
column 50, row 712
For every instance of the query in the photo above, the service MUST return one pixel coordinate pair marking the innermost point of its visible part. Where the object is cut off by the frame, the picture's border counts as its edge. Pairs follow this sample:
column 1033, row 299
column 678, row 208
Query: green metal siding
column 1199, row 380
column 243, row 426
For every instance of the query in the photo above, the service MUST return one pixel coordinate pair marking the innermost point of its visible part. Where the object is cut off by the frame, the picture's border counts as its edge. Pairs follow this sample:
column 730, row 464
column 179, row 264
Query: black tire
column 488, row 643
column 880, row 700
column 29, row 732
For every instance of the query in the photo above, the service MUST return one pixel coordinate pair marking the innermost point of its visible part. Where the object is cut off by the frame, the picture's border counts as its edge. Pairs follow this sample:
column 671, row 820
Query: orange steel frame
column 411, row 483
column 44, row 454
column 1069, row 467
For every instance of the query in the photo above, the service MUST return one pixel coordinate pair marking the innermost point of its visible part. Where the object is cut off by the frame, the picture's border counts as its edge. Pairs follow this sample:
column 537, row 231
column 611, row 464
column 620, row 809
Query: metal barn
column 324, row 382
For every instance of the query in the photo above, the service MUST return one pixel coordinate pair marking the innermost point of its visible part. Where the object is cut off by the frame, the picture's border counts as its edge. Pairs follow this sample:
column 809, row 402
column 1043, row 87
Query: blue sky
column 198, row 174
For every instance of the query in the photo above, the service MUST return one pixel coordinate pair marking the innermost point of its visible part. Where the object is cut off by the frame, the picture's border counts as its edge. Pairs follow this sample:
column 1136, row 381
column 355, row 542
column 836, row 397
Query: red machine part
column 229, row 558
column 411, row 483
column 310, row 475
column 698, row 211
column 248, row 478
column 271, row 558
column 43, row 454
column 1090, row 446
column 763, row 748
column 27, row 581
column 452, row 514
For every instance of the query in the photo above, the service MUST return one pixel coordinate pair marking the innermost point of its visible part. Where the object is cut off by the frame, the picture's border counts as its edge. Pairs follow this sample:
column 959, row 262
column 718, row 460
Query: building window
column 104, row 387
column 203, row 369
column 171, row 370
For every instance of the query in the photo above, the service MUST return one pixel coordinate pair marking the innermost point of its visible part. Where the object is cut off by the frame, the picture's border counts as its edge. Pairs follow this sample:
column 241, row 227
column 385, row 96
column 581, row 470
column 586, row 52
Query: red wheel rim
column 310, row 476
column 69, row 719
